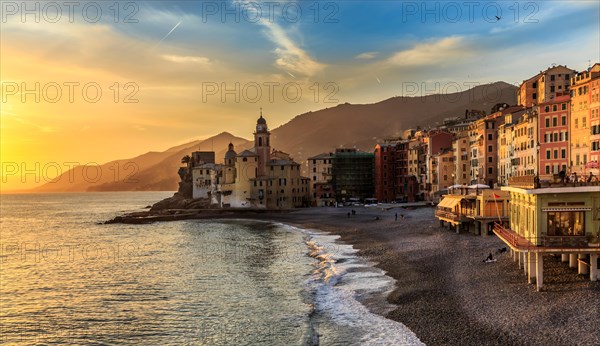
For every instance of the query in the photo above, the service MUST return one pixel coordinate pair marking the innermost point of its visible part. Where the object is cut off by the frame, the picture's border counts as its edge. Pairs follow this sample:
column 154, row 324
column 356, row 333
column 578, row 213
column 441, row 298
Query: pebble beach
column 445, row 292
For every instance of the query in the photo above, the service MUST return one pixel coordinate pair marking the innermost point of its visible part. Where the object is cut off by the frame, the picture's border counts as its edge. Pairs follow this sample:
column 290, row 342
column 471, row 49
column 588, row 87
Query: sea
column 66, row 278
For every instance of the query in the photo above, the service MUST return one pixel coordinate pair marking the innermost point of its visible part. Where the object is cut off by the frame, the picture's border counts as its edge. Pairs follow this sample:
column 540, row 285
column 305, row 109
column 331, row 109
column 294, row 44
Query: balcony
column 548, row 244
column 449, row 216
column 529, row 182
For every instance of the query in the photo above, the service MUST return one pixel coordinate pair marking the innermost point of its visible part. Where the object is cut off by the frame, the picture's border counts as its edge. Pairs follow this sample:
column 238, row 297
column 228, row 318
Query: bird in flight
column 498, row 18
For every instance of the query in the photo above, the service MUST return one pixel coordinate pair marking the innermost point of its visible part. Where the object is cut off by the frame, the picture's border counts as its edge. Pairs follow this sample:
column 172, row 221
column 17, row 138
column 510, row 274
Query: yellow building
column 462, row 163
column 552, row 219
column 473, row 209
column 580, row 130
column 259, row 177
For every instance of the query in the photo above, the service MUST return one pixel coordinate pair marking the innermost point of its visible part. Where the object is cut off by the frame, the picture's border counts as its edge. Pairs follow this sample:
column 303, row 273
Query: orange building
column 581, row 130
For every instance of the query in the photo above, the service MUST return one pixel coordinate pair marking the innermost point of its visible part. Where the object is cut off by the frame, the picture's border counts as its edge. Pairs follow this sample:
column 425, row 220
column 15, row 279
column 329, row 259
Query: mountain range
column 345, row 125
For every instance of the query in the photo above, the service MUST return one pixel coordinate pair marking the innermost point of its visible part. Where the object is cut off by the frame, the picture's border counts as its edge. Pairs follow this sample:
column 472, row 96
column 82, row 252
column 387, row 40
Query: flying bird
column 498, row 18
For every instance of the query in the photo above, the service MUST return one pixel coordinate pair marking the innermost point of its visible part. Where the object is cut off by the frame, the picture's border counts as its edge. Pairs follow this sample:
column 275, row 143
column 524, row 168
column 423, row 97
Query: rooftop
column 532, row 185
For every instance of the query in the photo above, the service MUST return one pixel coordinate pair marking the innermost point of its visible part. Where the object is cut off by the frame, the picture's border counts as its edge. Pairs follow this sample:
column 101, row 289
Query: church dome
column 261, row 120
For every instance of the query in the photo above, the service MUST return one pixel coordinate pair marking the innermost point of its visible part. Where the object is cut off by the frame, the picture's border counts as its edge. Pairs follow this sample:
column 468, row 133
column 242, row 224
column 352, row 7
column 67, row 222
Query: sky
column 91, row 81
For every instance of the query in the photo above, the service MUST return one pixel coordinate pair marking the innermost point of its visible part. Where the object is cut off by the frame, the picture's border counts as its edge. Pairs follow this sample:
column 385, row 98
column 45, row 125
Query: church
column 259, row 177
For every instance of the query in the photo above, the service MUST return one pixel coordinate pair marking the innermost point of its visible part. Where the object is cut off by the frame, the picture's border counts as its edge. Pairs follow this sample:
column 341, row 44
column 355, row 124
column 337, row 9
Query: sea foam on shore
column 340, row 285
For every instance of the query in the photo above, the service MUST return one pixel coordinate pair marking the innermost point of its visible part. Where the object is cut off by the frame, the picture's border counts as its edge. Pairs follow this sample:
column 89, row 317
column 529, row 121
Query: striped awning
column 567, row 209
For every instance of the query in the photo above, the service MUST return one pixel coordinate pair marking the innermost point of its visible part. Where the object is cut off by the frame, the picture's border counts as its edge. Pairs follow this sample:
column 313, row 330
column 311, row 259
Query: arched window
column 260, row 141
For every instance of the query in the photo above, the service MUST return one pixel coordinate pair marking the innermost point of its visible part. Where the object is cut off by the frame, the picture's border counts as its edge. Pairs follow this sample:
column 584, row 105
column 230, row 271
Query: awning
column 566, row 209
column 450, row 201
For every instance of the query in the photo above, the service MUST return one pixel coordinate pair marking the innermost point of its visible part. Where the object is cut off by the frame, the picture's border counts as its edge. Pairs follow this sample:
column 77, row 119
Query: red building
column 554, row 119
column 392, row 180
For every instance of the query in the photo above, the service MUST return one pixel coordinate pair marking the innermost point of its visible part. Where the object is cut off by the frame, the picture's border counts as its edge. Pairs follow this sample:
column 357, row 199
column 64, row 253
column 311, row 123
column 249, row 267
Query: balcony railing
column 448, row 215
column 525, row 181
column 539, row 243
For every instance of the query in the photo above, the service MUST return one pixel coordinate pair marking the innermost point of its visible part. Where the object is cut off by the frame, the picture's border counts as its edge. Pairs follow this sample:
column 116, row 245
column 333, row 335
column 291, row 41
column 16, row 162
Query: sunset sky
column 174, row 57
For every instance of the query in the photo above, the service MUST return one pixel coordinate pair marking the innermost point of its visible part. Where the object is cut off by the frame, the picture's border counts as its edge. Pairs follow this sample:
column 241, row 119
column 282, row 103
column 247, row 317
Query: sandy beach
column 447, row 295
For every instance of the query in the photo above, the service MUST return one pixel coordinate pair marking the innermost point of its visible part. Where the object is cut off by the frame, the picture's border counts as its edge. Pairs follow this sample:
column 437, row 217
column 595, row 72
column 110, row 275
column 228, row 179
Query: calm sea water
column 65, row 279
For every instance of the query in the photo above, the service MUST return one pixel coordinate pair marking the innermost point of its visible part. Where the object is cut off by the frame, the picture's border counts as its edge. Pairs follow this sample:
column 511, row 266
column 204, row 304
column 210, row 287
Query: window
column 534, row 96
column 547, row 122
column 563, row 153
column 548, row 154
column 555, row 154
column 554, row 121
column 490, row 136
column 490, row 149
column 583, row 122
column 547, row 169
column 490, row 159
column 566, row 223
column 490, row 170
column 563, row 120
column 564, row 107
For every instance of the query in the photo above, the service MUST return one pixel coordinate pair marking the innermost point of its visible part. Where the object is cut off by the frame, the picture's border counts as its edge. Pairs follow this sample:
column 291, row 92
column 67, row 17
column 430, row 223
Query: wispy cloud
column 448, row 49
column 290, row 56
column 187, row 59
column 366, row 56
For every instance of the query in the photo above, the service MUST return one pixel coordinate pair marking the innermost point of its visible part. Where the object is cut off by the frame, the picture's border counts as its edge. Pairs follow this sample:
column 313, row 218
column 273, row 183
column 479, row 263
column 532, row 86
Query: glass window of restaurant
column 566, row 223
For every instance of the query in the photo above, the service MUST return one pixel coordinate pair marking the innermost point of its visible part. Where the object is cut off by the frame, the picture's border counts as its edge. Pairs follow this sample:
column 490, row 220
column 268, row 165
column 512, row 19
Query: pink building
column 554, row 118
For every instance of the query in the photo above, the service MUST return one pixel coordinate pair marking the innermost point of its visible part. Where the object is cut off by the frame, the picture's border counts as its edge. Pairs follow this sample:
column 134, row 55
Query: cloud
column 187, row 59
column 366, row 55
column 448, row 49
column 290, row 56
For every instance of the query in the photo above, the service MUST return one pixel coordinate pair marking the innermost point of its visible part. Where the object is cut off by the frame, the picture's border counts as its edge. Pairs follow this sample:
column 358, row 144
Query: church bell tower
column 262, row 145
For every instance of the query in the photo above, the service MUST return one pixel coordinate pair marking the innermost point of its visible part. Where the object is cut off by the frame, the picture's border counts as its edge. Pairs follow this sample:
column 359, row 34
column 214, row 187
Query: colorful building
column 581, row 117
column 462, row 163
column 256, row 178
column 554, row 119
column 552, row 219
column 545, row 86
column 320, row 168
column 473, row 209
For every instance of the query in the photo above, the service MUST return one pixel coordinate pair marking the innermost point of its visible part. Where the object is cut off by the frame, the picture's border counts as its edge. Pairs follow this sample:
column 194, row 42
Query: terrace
column 547, row 244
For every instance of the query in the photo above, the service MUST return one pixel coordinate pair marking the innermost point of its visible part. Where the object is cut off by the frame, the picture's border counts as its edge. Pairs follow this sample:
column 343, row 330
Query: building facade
column 581, row 117
column 353, row 173
column 320, row 168
column 554, row 119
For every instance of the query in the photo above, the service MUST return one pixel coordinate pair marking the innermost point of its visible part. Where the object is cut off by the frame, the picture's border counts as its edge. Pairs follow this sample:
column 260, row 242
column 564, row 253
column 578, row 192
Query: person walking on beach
column 348, row 214
column 396, row 216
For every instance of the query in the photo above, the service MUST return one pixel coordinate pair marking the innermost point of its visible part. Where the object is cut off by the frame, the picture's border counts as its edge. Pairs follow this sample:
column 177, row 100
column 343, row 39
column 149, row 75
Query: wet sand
column 447, row 295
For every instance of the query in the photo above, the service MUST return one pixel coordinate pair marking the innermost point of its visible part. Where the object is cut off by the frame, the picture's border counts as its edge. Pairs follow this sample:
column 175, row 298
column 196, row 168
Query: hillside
column 308, row 134
column 363, row 125
column 153, row 171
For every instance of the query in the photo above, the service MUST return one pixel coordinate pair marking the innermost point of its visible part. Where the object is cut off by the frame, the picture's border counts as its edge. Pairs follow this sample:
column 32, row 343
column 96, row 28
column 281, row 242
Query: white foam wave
column 339, row 278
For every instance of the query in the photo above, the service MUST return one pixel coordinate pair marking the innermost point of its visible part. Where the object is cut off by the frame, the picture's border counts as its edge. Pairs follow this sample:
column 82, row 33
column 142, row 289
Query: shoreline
column 444, row 292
